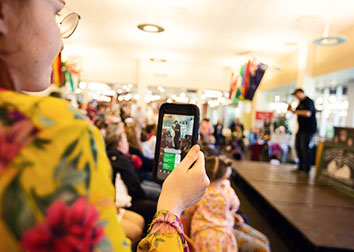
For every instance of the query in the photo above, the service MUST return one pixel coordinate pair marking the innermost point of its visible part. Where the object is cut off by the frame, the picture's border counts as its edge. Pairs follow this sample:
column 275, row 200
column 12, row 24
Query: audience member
column 207, row 140
column 237, row 123
column 281, row 139
column 117, row 148
column 213, row 222
column 218, row 134
column 91, row 111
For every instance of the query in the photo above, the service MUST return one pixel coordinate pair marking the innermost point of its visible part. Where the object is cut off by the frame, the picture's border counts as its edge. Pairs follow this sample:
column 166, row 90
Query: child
column 212, row 219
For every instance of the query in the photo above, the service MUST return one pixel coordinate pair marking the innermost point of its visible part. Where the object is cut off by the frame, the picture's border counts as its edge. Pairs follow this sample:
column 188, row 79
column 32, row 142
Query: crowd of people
column 270, row 142
column 59, row 173
column 130, row 145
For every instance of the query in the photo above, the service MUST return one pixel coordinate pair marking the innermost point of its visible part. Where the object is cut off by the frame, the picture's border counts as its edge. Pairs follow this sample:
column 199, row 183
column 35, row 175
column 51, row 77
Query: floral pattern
column 212, row 219
column 12, row 139
column 55, row 188
column 165, row 234
column 66, row 228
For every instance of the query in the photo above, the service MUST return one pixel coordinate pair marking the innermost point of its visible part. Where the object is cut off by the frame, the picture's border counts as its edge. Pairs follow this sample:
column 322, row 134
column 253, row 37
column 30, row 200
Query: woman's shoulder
column 43, row 111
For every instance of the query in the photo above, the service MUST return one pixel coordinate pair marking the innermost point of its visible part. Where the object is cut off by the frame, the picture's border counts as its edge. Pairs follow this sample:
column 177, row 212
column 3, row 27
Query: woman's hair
column 132, row 136
column 113, row 139
column 216, row 167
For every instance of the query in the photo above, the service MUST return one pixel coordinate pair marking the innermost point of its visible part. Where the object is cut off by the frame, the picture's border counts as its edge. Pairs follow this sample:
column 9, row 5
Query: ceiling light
column 150, row 28
column 327, row 40
column 330, row 41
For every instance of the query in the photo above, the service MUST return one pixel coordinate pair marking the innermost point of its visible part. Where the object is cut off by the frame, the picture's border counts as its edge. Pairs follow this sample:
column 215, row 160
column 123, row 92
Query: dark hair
column 144, row 136
column 216, row 167
column 151, row 128
column 206, row 120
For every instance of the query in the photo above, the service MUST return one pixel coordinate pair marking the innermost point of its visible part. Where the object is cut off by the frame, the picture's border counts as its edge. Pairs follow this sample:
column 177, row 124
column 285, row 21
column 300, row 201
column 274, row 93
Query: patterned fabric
column 164, row 230
column 212, row 219
column 250, row 239
column 55, row 188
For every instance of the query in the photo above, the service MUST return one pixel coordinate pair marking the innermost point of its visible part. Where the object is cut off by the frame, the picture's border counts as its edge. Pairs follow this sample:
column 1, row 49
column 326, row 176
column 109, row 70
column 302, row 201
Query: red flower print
column 66, row 229
column 12, row 140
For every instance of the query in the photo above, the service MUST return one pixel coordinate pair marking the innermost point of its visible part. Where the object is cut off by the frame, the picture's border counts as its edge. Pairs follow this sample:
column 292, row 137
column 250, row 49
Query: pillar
column 350, row 113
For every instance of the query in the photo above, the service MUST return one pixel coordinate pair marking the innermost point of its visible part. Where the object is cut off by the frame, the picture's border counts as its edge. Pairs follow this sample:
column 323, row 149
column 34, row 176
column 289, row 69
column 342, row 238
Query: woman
column 55, row 189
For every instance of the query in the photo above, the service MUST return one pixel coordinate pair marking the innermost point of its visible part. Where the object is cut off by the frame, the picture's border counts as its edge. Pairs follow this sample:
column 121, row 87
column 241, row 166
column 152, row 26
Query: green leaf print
column 64, row 165
column 88, row 176
column 73, row 178
column 40, row 143
column 77, row 114
column 3, row 116
column 66, row 193
column 46, row 121
column 157, row 241
column 105, row 245
column 15, row 211
column 93, row 147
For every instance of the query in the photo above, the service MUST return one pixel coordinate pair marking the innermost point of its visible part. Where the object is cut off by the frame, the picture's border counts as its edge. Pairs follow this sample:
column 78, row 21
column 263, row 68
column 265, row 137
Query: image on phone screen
column 176, row 141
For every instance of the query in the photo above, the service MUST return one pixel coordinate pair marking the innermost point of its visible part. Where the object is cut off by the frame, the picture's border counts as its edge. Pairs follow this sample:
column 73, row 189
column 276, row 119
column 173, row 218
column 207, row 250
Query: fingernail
column 196, row 149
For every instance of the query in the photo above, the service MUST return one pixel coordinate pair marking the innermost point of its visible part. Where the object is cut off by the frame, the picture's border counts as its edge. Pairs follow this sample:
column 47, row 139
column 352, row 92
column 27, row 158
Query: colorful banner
column 244, row 85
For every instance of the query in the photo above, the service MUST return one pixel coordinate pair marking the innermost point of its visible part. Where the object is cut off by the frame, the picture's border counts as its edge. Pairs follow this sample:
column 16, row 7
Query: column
column 142, row 85
column 350, row 115
column 199, row 99
column 339, row 96
column 324, row 115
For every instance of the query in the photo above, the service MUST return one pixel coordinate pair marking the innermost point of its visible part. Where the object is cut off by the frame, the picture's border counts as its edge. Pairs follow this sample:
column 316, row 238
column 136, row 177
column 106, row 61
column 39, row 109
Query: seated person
column 214, row 224
column 117, row 148
column 207, row 140
column 281, row 139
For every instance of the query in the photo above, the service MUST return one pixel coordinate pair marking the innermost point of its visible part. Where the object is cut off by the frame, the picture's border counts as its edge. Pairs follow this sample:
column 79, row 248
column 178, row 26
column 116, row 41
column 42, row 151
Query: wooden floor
column 310, row 216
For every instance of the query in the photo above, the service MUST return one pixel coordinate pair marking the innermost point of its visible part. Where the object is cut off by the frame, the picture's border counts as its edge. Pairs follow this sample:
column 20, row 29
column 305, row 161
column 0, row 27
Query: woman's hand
column 184, row 187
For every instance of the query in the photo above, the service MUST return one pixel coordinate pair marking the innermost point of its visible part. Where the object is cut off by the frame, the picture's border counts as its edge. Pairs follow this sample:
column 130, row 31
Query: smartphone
column 177, row 132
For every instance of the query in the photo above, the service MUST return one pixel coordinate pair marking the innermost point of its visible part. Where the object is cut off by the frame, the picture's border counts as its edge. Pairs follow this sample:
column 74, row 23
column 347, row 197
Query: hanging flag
column 233, row 85
column 246, row 79
column 256, row 76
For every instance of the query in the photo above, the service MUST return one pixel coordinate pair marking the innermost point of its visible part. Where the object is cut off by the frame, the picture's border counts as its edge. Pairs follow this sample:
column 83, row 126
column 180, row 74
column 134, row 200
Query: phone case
column 175, row 109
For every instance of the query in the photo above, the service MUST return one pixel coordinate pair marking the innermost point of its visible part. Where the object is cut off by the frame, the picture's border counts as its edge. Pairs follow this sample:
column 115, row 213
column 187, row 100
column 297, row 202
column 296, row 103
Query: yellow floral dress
column 55, row 187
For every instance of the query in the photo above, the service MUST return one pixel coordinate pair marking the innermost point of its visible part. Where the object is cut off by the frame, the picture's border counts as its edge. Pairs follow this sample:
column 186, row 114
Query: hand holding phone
column 177, row 132
column 186, row 184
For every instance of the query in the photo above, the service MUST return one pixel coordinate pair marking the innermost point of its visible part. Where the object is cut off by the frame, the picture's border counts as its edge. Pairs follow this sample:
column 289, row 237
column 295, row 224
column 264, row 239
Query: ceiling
column 217, row 32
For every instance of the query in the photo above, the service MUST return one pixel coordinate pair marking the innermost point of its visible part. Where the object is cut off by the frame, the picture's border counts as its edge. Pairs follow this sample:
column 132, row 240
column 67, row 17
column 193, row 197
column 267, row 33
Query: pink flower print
column 66, row 229
column 12, row 140
column 165, row 222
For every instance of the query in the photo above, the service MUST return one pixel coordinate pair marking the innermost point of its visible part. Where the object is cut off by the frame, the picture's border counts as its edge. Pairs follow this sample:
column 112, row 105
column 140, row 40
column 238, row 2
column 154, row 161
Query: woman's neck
column 8, row 79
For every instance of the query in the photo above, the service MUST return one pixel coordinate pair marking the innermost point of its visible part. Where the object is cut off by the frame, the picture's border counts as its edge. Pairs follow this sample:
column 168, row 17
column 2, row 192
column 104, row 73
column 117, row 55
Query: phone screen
column 176, row 141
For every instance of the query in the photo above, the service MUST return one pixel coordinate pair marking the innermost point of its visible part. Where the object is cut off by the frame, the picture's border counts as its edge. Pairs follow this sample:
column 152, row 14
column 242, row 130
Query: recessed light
column 330, row 41
column 157, row 60
column 152, row 28
column 290, row 43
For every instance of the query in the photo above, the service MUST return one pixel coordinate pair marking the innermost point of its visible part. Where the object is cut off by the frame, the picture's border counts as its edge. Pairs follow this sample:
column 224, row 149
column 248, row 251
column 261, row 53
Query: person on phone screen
column 177, row 128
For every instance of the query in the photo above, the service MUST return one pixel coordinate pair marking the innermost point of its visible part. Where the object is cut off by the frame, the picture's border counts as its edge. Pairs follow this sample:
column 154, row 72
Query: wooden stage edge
column 307, row 215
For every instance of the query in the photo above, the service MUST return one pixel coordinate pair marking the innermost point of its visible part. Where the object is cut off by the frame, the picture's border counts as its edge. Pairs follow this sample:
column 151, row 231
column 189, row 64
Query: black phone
column 177, row 133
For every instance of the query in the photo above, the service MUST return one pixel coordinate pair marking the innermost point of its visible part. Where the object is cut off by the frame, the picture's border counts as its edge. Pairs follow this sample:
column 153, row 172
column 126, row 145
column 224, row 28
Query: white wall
column 169, row 74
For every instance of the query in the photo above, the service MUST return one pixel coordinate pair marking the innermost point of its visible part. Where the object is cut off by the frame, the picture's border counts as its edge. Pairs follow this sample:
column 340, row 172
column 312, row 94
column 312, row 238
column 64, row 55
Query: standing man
column 306, row 117
column 177, row 128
